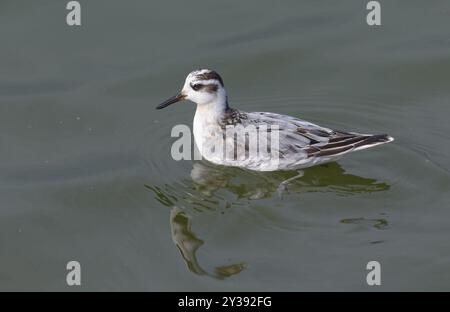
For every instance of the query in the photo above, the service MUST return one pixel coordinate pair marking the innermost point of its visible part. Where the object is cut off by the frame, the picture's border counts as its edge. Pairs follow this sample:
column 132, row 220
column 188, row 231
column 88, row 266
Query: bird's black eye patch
column 196, row 86
column 211, row 88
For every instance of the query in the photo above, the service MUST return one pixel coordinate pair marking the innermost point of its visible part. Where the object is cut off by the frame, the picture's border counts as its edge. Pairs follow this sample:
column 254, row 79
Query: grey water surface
column 85, row 166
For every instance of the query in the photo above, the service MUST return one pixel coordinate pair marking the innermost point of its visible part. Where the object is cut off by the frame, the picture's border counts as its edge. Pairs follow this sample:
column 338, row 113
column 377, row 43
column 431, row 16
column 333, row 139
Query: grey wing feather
column 299, row 136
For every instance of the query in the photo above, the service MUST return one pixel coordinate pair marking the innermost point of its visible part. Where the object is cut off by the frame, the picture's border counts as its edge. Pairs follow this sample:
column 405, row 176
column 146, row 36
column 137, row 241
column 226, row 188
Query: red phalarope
column 300, row 144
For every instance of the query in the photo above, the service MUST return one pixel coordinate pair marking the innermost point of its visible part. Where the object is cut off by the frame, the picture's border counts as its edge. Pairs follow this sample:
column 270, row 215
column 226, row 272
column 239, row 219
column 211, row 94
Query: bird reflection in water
column 208, row 178
column 188, row 243
column 199, row 195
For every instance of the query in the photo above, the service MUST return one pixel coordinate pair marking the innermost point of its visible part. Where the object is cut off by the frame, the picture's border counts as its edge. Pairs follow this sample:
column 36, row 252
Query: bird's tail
column 373, row 140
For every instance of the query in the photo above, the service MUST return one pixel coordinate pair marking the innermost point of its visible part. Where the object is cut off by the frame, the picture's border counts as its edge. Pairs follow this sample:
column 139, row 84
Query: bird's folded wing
column 299, row 136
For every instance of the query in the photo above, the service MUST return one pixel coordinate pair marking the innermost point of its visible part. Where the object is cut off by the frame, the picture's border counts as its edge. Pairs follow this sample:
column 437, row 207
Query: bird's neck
column 212, row 111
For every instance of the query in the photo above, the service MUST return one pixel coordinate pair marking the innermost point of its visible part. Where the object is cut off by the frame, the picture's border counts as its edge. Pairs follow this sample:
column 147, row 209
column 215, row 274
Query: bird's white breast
column 198, row 131
column 208, row 134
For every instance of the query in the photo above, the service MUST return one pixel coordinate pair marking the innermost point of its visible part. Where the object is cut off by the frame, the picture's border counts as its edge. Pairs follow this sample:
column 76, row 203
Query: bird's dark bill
column 172, row 100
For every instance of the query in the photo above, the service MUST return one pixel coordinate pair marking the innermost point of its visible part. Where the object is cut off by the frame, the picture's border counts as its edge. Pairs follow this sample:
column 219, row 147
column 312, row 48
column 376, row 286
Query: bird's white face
column 201, row 90
column 203, row 87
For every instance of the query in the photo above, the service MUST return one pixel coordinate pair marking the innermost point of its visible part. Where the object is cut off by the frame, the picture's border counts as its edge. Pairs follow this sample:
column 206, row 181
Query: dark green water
column 85, row 166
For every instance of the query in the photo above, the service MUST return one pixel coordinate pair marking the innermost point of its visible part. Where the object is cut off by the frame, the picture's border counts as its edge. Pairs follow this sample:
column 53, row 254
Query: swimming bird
column 299, row 143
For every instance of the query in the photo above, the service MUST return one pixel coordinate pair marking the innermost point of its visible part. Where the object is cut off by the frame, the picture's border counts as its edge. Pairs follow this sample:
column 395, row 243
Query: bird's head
column 204, row 87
